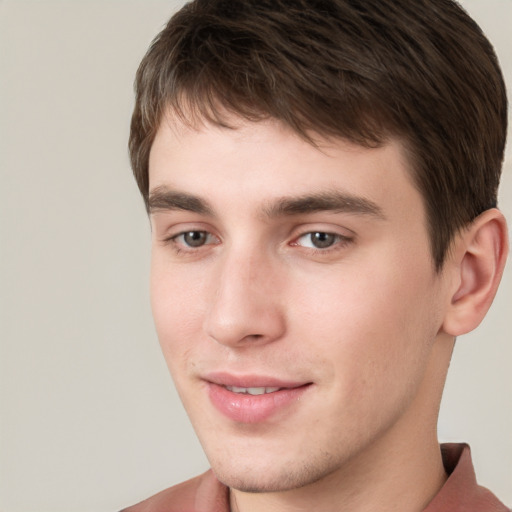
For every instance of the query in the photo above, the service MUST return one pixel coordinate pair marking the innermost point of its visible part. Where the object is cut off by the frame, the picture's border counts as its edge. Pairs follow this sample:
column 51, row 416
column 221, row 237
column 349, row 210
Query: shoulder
column 204, row 493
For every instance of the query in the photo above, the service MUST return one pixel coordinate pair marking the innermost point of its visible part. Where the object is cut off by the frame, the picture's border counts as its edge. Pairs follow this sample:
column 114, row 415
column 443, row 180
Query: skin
column 361, row 319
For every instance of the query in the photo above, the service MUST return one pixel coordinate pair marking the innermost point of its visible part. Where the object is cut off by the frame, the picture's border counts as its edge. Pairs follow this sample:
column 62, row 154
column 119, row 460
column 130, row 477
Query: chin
column 271, row 478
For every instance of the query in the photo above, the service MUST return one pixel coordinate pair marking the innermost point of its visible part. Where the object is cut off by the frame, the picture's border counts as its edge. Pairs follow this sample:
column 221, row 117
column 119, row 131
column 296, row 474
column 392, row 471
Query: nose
column 245, row 306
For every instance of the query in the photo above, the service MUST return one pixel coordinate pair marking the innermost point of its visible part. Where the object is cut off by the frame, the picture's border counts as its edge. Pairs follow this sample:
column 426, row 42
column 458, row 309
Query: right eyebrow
column 163, row 198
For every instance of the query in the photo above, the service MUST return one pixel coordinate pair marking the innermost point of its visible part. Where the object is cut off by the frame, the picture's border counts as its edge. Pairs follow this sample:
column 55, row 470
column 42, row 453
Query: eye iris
column 322, row 240
column 195, row 238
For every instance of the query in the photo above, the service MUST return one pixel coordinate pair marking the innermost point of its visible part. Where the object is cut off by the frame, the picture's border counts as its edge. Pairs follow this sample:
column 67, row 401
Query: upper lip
column 251, row 381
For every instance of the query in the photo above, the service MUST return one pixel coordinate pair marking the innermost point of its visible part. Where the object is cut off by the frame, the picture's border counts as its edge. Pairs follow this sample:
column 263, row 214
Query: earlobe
column 478, row 259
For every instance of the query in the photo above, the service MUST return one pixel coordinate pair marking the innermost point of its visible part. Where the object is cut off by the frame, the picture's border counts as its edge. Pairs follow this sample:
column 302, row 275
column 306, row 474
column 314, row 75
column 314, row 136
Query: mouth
column 254, row 399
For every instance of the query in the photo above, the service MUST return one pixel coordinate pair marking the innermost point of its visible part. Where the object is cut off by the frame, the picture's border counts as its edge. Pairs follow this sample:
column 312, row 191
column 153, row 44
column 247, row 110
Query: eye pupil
column 195, row 238
column 322, row 240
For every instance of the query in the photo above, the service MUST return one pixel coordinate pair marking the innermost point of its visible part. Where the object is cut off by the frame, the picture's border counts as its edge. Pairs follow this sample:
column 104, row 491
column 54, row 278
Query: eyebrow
column 334, row 201
column 163, row 198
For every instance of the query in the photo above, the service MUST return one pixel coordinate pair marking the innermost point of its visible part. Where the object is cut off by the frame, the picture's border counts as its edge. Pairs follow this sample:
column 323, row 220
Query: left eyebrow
column 334, row 201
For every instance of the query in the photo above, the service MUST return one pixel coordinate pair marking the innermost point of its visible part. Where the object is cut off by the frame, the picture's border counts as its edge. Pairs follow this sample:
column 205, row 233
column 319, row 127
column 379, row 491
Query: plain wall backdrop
column 89, row 417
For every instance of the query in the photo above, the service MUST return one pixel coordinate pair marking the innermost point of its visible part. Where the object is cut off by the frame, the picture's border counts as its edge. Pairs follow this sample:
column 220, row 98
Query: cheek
column 175, row 303
column 369, row 326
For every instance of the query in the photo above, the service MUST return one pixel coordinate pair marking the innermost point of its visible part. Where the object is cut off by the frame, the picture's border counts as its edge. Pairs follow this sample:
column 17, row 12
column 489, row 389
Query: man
column 321, row 179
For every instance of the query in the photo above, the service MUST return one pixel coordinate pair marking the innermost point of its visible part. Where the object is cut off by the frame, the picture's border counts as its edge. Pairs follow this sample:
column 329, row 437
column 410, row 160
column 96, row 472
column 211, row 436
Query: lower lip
column 245, row 408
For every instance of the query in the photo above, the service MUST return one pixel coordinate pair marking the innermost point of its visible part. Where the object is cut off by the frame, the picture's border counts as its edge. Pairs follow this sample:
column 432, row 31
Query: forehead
column 264, row 161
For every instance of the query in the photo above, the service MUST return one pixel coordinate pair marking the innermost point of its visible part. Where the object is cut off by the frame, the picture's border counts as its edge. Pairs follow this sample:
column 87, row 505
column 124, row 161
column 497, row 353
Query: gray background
column 89, row 417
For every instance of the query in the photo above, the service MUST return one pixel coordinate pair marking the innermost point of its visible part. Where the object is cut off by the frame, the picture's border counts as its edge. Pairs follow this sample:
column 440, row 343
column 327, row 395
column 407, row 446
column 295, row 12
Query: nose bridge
column 244, row 304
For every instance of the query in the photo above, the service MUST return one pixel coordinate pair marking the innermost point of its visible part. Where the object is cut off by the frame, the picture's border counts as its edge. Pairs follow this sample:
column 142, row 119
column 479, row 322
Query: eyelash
column 339, row 241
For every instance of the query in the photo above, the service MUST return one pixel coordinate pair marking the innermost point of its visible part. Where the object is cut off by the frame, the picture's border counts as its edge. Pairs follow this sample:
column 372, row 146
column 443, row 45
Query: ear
column 476, row 263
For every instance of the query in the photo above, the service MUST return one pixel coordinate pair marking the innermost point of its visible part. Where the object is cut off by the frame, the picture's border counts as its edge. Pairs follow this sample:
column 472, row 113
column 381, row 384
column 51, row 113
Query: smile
column 254, row 399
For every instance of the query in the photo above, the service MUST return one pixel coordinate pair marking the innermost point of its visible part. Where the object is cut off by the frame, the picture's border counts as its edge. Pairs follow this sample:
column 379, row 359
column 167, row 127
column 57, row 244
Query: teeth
column 251, row 391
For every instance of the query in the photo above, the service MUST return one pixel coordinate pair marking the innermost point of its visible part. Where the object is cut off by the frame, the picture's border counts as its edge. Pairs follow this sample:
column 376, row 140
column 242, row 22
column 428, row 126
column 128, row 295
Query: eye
column 319, row 240
column 194, row 239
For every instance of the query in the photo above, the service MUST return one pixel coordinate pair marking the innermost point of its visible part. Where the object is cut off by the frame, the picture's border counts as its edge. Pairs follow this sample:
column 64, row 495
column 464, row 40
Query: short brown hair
column 363, row 70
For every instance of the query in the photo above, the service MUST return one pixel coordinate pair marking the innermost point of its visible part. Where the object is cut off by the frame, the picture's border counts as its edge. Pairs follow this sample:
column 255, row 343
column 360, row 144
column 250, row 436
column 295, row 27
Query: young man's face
column 305, row 275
